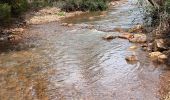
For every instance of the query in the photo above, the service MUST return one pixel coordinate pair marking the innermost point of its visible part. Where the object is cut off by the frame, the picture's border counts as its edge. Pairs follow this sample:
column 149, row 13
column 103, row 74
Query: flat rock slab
column 138, row 38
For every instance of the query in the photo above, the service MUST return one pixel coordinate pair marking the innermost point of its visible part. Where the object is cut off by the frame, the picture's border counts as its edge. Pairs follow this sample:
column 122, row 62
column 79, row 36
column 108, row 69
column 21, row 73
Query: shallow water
column 74, row 63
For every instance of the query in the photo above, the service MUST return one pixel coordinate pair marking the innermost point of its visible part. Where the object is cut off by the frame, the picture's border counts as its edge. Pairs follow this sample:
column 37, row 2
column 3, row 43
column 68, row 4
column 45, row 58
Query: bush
column 167, row 4
column 17, row 6
column 39, row 4
column 84, row 5
column 5, row 12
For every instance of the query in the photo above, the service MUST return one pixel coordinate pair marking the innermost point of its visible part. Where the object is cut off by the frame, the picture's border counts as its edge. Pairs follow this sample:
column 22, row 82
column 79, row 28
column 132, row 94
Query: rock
column 137, row 28
column 154, row 55
column 144, row 45
column 102, row 15
column 118, row 29
column 133, row 47
column 131, row 58
column 138, row 38
column 147, row 47
column 109, row 37
column 2, row 39
column 168, row 57
column 14, row 38
column 158, row 56
column 90, row 27
column 70, row 25
column 159, row 45
column 17, row 30
column 162, row 58
column 126, row 36
column 64, row 24
column 91, row 18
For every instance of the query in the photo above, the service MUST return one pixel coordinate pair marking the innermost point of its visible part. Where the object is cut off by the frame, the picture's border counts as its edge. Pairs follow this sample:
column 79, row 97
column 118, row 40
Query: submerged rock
column 138, row 38
column 91, row 18
column 67, row 24
column 133, row 47
column 131, row 58
column 119, row 29
column 109, row 37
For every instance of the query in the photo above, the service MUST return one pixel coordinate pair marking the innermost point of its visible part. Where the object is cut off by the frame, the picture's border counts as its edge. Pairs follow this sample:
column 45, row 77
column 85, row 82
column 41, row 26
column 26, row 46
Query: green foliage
column 167, row 5
column 84, row 5
column 39, row 4
column 5, row 12
column 19, row 7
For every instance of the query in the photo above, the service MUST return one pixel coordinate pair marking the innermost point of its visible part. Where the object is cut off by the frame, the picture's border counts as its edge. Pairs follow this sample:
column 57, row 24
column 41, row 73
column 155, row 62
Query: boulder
column 126, row 36
column 158, row 56
column 138, row 38
column 154, row 55
column 162, row 58
column 137, row 28
column 160, row 45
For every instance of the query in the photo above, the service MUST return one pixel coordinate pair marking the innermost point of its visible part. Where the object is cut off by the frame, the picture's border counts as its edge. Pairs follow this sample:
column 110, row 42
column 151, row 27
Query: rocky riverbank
column 161, row 41
column 12, row 33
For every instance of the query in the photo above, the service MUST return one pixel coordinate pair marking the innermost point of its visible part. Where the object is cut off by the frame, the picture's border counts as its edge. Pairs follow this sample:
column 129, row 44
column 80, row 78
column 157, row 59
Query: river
column 55, row 62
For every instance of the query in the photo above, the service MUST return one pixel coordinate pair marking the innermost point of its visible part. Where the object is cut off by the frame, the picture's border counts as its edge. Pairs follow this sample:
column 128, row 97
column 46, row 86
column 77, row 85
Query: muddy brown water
column 73, row 63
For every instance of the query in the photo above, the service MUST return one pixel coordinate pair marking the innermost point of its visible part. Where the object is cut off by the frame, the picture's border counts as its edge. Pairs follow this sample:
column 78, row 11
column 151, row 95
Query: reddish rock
column 126, row 36
column 138, row 38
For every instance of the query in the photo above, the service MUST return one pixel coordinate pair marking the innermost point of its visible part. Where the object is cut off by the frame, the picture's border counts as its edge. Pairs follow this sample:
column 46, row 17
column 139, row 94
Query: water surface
column 74, row 63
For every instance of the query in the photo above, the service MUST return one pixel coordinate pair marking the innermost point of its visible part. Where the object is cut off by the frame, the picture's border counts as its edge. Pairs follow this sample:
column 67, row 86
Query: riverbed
column 55, row 62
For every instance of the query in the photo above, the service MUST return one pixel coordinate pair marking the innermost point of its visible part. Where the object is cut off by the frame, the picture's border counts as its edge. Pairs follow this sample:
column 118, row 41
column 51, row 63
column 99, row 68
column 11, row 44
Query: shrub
column 19, row 6
column 83, row 5
column 5, row 12
column 167, row 4
column 39, row 4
